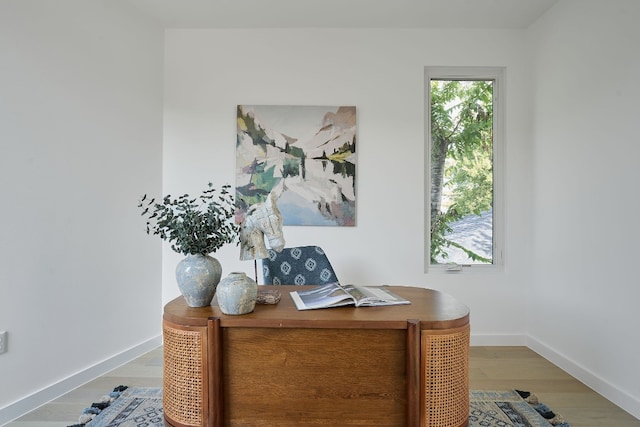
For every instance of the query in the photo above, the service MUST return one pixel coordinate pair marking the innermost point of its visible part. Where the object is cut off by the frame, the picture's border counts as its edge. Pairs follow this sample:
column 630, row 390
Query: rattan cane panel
column 445, row 360
column 183, row 381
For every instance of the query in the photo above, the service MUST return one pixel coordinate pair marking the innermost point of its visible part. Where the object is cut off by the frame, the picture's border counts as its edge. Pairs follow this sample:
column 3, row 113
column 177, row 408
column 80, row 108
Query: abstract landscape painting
column 306, row 155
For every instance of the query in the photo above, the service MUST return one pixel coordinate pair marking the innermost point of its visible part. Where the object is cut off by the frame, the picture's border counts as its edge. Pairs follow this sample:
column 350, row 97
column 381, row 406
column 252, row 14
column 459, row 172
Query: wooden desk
column 400, row 366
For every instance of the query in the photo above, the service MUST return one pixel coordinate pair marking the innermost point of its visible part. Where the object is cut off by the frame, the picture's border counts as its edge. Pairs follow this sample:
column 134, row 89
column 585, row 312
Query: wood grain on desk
column 433, row 309
column 386, row 366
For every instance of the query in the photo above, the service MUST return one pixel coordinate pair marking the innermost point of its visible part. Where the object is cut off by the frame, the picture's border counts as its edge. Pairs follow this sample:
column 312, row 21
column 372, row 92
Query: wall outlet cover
column 3, row 341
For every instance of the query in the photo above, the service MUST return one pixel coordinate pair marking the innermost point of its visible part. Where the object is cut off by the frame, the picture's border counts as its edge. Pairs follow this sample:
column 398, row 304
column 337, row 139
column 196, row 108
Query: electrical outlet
column 3, row 341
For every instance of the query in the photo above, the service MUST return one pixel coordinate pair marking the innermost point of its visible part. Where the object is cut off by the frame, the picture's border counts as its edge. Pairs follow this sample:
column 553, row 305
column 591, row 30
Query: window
column 464, row 119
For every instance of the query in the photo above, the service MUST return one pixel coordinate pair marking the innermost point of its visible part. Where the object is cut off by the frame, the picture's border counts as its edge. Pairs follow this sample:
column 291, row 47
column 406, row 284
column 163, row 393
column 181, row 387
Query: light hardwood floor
column 507, row 368
column 491, row 368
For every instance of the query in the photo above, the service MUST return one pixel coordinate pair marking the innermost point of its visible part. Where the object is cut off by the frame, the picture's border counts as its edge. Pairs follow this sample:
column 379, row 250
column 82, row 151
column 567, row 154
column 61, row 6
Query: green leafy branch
column 193, row 225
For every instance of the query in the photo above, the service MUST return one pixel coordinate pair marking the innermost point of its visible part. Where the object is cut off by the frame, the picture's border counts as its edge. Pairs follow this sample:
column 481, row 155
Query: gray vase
column 197, row 277
column 237, row 294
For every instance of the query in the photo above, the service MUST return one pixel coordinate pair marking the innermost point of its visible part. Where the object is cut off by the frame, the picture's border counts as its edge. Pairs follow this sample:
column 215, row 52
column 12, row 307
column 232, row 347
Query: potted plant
column 195, row 227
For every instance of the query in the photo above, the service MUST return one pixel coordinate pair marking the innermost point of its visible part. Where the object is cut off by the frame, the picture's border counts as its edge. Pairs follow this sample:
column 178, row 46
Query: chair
column 301, row 265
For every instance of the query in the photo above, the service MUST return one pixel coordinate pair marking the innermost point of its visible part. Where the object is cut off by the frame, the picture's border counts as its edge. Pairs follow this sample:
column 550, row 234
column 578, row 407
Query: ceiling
column 507, row 14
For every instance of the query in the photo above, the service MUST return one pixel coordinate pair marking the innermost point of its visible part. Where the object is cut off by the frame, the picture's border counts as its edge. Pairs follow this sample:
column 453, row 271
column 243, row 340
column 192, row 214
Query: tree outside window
column 461, row 126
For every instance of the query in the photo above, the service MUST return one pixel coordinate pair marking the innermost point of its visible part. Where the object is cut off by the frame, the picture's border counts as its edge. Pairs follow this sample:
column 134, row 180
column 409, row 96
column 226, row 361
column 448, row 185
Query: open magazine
column 336, row 295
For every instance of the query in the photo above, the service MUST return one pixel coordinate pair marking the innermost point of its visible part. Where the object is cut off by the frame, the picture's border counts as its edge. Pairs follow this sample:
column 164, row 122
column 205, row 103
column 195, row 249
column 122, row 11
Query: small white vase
column 197, row 277
column 237, row 294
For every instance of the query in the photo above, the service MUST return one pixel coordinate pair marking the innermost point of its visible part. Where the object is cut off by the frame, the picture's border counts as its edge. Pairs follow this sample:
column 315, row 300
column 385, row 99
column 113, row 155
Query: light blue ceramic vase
column 237, row 294
column 197, row 277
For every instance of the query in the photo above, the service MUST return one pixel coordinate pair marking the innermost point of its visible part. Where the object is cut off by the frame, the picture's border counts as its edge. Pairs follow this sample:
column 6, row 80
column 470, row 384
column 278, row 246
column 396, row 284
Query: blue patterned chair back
column 302, row 265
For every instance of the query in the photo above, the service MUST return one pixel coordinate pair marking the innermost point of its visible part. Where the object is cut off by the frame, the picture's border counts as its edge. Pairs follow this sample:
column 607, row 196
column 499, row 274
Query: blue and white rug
column 512, row 408
column 142, row 407
column 130, row 407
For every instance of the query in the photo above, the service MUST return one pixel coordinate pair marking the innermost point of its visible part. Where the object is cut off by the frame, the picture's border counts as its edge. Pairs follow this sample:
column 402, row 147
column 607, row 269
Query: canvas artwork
column 305, row 155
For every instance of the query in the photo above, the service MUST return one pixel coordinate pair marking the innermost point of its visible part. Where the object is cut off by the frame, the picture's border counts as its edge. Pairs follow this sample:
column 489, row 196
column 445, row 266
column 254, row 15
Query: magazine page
column 331, row 295
column 374, row 296
column 357, row 293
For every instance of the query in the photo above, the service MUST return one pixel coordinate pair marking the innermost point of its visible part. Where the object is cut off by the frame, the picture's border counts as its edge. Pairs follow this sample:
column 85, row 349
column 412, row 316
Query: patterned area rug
column 513, row 408
column 136, row 407
column 133, row 407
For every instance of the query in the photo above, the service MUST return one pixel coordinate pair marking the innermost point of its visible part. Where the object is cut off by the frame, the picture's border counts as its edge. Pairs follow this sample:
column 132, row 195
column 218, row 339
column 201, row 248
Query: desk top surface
column 433, row 309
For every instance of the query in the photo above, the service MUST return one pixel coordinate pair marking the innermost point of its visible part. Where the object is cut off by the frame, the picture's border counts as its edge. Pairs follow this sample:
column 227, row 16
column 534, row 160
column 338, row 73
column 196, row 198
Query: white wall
column 584, row 296
column 381, row 72
column 80, row 138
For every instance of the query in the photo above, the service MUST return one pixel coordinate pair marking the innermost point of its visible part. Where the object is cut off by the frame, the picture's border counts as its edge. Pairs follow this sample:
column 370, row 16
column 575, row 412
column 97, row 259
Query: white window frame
column 498, row 75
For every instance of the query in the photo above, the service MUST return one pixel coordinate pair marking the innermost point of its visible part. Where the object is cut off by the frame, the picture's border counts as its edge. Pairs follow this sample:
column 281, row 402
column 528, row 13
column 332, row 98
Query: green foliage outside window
column 461, row 160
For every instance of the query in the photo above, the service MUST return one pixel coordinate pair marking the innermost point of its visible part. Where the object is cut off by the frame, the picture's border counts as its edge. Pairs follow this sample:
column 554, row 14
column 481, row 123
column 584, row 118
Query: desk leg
column 216, row 400
column 413, row 373
column 445, row 369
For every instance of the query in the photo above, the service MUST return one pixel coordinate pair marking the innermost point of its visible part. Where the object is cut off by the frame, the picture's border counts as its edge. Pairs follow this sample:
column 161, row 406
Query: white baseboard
column 598, row 384
column 39, row 398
